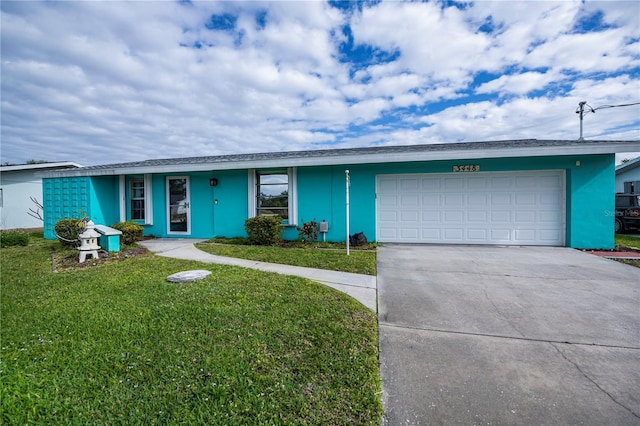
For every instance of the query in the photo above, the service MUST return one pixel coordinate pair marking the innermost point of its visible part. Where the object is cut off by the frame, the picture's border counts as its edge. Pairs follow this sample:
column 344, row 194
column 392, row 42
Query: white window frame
column 292, row 174
column 168, row 204
column 133, row 180
column 148, row 199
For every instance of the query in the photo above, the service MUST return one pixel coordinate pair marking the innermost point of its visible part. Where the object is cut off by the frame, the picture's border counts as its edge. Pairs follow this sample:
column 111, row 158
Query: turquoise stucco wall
column 208, row 218
column 105, row 209
column 592, row 203
column 321, row 195
column 589, row 193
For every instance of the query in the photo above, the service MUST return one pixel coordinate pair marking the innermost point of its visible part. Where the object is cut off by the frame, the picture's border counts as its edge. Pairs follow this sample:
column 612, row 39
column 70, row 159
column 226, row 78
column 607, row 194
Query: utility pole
column 581, row 112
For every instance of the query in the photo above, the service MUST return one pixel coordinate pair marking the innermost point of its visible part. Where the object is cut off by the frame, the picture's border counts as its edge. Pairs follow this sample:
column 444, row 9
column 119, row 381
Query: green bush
column 131, row 231
column 67, row 231
column 264, row 230
column 13, row 238
column 309, row 231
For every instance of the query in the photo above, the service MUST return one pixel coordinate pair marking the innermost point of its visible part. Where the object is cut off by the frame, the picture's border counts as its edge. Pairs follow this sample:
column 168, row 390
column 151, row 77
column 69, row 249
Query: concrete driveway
column 508, row 335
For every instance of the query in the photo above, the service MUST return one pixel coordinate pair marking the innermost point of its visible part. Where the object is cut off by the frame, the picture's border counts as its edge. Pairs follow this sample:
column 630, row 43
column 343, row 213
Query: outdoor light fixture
column 213, row 182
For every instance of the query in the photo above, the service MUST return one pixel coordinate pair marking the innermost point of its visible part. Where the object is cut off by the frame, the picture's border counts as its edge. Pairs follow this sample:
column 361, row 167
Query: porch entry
column 178, row 205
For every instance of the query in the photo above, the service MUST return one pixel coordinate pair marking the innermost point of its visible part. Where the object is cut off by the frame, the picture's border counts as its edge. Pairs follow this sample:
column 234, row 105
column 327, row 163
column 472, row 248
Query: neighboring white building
column 17, row 185
column 628, row 172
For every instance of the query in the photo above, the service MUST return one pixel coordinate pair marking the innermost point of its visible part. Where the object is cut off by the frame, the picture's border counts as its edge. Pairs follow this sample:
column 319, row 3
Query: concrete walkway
column 360, row 287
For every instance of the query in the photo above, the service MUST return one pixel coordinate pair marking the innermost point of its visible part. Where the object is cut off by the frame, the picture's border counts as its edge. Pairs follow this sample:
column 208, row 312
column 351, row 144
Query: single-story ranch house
column 515, row 192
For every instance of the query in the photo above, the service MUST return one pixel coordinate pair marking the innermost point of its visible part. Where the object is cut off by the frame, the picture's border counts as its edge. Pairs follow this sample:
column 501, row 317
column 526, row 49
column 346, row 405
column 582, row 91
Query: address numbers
column 467, row 168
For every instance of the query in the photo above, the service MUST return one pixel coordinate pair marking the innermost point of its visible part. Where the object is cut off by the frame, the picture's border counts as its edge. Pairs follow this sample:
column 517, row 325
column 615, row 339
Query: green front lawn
column 320, row 256
column 627, row 240
column 116, row 343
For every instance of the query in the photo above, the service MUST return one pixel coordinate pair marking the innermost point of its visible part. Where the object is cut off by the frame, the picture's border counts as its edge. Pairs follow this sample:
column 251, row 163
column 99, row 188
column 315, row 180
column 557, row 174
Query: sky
column 105, row 82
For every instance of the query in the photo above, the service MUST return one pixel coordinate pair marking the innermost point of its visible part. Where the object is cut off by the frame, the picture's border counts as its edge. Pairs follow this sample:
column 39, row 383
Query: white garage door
column 522, row 208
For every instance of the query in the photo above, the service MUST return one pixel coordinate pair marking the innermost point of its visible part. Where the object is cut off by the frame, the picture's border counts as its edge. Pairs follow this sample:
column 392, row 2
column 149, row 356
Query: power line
column 581, row 110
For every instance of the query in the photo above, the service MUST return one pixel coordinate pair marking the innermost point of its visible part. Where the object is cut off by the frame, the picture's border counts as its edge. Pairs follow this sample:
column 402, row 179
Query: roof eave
column 373, row 158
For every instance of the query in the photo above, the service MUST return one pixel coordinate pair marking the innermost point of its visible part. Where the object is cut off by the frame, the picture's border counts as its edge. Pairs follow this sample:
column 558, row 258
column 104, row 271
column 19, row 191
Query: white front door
column 514, row 208
column 178, row 205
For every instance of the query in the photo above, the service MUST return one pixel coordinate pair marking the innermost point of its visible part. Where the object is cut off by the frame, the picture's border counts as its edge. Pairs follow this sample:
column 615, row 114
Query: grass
column 627, row 240
column 321, row 255
column 115, row 343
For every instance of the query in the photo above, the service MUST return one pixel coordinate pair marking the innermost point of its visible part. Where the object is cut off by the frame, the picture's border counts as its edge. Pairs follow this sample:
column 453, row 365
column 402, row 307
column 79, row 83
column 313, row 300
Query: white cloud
column 99, row 82
column 519, row 84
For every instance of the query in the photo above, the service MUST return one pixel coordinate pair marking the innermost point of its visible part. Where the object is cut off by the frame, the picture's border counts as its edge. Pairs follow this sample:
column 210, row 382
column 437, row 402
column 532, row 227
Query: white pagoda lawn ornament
column 89, row 242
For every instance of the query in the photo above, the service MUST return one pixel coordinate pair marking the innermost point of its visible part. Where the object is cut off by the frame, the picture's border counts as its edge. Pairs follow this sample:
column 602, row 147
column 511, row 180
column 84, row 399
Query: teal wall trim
column 222, row 210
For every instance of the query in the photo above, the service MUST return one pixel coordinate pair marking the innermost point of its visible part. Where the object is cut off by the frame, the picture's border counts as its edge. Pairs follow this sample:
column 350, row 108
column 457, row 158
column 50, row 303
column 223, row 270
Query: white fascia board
column 41, row 166
column 373, row 158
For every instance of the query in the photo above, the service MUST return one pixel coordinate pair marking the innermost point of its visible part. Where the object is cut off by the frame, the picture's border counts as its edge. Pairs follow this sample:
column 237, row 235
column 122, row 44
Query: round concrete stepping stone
column 188, row 276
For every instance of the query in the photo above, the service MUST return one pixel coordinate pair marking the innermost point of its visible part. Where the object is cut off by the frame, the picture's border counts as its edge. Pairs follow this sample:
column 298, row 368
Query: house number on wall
column 467, row 168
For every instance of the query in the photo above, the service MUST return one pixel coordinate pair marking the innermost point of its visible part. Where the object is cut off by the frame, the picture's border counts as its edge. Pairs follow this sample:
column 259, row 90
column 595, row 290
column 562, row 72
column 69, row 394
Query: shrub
column 67, row 231
column 131, row 231
column 264, row 230
column 309, row 231
column 13, row 238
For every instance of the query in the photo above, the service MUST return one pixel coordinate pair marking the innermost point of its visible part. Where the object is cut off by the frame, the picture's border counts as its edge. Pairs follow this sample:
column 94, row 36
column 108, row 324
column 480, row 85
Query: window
column 273, row 193
column 137, row 198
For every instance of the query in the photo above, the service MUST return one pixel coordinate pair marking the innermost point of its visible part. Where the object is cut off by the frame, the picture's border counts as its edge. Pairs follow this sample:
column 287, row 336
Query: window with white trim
column 272, row 192
column 135, row 199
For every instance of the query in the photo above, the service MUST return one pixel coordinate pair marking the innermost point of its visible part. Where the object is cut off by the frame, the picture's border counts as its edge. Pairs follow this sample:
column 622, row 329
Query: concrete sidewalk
column 360, row 287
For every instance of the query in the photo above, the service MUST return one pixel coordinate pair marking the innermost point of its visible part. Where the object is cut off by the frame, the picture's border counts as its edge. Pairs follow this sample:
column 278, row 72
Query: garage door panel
column 477, row 199
column 525, row 216
column 500, row 199
column 477, row 235
column 431, row 216
column 388, row 234
column 525, row 199
column 500, row 216
column 456, row 216
column 387, row 184
column 500, row 182
column 552, row 216
column 455, row 200
column 550, row 236
column 479, row 183
column 431, row 184
column 525, row 235
column 410, row 200
column 431, row 200
column 489, row 208
column 431, row 234
column 453, row 234
column 409, row 216
column 409, row 184
column 477, row 216
column 388, row 200
column 409, row 234
column 451, row 183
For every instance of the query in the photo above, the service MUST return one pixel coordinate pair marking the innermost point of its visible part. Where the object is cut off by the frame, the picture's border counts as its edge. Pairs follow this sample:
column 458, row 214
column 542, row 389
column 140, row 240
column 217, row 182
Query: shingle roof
column 377, row 154
column 629, row 165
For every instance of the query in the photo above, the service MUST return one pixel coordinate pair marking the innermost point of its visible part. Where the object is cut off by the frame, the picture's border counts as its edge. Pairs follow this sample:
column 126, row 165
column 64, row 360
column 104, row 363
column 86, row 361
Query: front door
column 178, row 205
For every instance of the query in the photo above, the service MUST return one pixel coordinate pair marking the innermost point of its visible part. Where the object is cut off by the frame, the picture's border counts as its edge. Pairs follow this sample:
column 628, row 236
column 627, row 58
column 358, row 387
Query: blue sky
column 104, row 82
